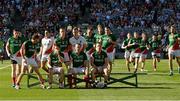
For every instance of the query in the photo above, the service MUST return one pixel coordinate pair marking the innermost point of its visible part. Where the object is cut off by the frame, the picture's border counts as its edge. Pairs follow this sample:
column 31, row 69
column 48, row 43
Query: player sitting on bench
column 79, row 65
column 99, row 62
column 55, row 60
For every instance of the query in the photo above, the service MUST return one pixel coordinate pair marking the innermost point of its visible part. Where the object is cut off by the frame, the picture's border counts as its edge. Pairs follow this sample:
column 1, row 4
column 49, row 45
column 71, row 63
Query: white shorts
column 155, row 54
column 31, row 62
column 66, row 57
column 56, row 70
column 78, row 70
column 17, row 59
column 127, row 54
column 111, row 55
column 44, row 57
column 143, row 56
column 100, row 69
column 134, row 55
column 175, row 53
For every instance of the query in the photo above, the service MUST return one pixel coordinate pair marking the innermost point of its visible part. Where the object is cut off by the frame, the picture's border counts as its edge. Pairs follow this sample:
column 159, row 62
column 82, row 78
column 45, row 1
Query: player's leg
column 67, row 60
column 178, row 63
column 127, row 64
column 36, row 69
column 137, row 55
column 43, row 63
column 93, row 74
column 43, row 66
column 132, row 59
column 18, row 70
column 110, row 59
column 61, row 77
column 13, row 72
column 34, row 65
column 127, row 58
column 158, row 59
column 136, row 64
column 142, row 60
column 74, row 76
column 154, row 63
column 110, row 67
column 85, row 70
column 105, row 70
column 170, row 56
column 70, row 76
column 50, row 78
column 23, row 71
column 177, row 55
column 154, row 60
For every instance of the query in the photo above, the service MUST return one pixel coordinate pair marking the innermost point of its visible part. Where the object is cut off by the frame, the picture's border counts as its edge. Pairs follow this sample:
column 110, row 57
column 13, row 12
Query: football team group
column 89, row 54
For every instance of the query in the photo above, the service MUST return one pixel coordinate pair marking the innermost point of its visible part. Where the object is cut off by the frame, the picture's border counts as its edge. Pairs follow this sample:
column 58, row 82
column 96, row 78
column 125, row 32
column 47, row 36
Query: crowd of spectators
column 136, row 13
column 51, row 14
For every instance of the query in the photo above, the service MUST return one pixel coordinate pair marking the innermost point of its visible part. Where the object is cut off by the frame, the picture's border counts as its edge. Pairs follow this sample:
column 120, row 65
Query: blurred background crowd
column 122, row 16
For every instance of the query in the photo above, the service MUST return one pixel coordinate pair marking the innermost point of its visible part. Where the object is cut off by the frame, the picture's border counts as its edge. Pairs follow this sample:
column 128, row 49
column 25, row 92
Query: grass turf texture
column 154, row 86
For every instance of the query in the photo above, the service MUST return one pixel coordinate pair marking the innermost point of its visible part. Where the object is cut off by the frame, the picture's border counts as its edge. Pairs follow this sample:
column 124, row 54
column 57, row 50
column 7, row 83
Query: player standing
column 77, row 39
column 144, row 46
column 47, row 44
column 108, row 44
column 135, row 50
column 155, row 46
column 127, row 50
column 98, row 36
column 90, row 42
column 13, row 46
column 62, row 43
column 173, row 49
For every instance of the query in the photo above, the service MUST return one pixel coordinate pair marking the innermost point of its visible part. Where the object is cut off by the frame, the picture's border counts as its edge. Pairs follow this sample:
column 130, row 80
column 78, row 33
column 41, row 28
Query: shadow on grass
column 159, row 84
column 150, row 87
column 139, row 88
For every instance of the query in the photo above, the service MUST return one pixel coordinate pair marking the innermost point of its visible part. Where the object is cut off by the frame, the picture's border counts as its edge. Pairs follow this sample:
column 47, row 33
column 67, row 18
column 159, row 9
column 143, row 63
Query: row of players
column 76, row 53
column 136, row 49
column 38, row 54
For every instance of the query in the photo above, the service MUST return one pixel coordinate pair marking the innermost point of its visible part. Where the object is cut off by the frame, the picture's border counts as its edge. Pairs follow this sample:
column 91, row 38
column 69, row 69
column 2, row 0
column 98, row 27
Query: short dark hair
column 35, row 36
column 62, row 28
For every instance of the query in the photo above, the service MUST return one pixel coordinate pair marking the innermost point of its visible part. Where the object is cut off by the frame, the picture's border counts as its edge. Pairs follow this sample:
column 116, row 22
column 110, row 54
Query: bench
column 80, row 80
column 124, row 79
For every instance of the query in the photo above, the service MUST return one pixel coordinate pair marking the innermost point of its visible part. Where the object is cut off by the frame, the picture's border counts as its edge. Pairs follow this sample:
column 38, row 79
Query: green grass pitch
column 154, row 86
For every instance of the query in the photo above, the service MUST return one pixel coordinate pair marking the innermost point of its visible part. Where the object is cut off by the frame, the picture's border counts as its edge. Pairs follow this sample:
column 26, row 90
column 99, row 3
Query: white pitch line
column 5, row 67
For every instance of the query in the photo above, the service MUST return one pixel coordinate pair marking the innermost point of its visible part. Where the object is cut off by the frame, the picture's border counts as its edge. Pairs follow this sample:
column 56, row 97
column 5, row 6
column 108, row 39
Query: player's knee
column 105, row 71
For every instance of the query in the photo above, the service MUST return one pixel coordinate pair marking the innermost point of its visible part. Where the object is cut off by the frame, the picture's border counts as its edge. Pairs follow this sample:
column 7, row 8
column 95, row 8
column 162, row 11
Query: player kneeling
column 99, row 62
column 55, row 67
